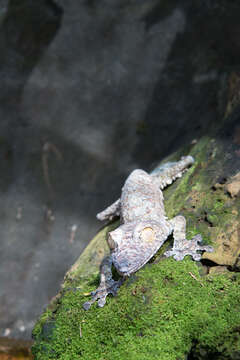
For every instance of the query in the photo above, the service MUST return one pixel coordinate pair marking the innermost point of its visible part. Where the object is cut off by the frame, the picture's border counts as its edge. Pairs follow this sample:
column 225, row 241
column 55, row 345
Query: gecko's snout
column 188, row 159
column 114, row 237
column 111, row 242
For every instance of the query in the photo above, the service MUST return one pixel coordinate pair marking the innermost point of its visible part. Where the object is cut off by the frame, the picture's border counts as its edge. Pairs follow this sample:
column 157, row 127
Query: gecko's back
column 141, row 198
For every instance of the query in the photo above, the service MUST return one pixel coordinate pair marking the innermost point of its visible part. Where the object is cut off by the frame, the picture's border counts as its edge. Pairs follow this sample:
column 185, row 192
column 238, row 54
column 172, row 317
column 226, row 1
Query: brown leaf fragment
column 134, row 292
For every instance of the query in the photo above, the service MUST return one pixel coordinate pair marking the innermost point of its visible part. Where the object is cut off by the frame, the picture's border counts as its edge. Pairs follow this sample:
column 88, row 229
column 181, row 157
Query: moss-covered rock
column 167, row 309
column 158, row 314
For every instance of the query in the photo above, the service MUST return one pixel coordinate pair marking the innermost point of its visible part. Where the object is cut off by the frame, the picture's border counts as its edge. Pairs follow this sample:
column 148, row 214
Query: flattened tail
column 167, row 173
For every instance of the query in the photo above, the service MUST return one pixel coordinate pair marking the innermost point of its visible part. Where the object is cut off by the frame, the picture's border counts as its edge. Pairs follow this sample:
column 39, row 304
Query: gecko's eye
column 148, row 234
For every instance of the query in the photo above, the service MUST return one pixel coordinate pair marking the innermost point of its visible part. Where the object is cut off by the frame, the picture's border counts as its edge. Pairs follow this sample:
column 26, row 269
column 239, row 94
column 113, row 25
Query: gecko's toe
column 87, row 305
column 208, row 248
column 178, row 256
column 197, row 238
column 102, row 301
column 168, row 253
column 196, row 256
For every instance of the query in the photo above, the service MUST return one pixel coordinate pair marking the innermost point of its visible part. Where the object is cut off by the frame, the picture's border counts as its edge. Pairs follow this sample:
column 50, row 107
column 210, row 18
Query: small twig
column 194, row 277
column 80, row 330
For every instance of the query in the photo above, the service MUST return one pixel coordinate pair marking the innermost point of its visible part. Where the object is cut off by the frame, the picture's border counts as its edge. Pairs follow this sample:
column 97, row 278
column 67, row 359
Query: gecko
column 144, row 227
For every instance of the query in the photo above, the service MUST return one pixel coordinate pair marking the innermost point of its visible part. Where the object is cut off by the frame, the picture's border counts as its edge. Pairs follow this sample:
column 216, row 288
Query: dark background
column 90, row 90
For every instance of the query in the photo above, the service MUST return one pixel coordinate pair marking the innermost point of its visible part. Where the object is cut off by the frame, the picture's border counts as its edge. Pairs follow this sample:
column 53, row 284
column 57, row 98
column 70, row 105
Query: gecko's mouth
column 130, row 261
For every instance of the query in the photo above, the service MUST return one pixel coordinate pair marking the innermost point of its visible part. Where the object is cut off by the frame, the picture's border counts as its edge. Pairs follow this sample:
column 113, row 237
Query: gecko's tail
column 167, row 173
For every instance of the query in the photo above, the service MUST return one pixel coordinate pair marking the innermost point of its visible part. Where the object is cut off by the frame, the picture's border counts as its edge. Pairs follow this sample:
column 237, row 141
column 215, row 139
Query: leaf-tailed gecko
column 144, row 227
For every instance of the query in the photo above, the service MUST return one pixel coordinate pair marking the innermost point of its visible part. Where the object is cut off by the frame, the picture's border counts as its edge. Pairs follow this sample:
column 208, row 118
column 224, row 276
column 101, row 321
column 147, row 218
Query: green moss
column 194, row 195
column 166, row 310
column 158, row 315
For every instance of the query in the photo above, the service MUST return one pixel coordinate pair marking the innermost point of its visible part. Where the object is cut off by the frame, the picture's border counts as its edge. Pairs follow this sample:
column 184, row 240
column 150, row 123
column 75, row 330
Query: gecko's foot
column 101, row 293
column 189, row 247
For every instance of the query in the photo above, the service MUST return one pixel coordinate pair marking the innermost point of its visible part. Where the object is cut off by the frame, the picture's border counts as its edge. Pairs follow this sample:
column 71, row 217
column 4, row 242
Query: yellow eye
column 148, row 234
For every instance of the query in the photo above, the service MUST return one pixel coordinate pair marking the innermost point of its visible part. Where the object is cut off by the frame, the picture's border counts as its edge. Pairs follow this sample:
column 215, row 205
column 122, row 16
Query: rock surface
column 89, row 91
column 15, row 349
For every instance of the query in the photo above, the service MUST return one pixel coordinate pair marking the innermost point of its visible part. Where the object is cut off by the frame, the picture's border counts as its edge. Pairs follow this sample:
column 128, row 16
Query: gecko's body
column 144, row 227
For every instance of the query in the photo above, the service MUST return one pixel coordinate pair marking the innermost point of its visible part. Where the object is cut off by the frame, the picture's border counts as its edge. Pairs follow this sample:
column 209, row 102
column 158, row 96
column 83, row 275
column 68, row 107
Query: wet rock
column 215, row 270
column 109, row 86
column 233, row 185
column 227, row 246
column 15, row 349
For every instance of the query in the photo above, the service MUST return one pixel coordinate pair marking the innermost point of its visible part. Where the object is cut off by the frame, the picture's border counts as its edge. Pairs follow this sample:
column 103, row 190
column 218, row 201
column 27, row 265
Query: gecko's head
column 132, row 245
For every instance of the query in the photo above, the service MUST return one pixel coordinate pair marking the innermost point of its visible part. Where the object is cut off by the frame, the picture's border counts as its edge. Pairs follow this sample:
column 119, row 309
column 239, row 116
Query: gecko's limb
column 110, row 212
column 165, row 174
column 182, row 246
column 107, row 285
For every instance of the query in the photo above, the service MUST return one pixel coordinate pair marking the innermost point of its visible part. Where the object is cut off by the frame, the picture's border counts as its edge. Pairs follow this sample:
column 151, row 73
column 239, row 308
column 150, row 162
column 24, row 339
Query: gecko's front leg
column 107, row 284
column 182, row 246
column 110, row 212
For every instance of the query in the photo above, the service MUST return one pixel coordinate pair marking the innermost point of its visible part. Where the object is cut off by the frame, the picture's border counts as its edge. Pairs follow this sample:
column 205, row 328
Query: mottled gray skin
column 144, row 227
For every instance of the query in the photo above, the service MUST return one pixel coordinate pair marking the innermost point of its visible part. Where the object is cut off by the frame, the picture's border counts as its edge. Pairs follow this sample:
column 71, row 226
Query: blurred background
column 90, row 90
